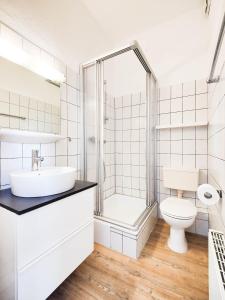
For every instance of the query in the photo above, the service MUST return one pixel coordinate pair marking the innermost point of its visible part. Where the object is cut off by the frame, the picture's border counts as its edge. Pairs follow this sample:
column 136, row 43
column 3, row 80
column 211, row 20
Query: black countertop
column 22, row 205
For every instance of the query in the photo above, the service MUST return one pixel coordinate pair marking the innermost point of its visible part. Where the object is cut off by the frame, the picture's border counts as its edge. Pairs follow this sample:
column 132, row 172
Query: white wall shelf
column 181, row 125
column 27, row 137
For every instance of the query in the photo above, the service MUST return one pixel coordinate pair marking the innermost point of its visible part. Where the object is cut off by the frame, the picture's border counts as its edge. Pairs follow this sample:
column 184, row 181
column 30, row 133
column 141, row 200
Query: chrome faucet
column 36, row 160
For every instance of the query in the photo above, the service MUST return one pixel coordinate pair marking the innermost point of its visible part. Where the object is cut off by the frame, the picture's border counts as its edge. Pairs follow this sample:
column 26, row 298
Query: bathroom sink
column 44, row 182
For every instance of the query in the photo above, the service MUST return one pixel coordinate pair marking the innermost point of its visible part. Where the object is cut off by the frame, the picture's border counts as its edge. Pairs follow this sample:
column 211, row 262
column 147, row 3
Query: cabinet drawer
column 39, row 279
column 43, row 228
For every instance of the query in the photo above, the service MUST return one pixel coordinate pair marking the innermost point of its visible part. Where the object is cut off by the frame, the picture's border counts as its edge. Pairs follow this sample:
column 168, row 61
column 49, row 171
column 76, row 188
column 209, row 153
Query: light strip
column 24, row 59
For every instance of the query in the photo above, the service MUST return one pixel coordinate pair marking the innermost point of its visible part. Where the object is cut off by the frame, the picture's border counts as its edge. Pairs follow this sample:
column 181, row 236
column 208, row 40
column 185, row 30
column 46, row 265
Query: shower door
column 110, row 150
column 93, row 168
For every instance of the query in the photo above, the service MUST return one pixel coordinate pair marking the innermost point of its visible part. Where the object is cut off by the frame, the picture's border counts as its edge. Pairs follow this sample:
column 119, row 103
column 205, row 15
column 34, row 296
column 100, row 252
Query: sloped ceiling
column 172, row 33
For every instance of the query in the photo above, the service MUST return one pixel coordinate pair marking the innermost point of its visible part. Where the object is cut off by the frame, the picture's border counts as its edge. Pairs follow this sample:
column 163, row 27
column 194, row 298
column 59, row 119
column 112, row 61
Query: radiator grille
column 219, row 246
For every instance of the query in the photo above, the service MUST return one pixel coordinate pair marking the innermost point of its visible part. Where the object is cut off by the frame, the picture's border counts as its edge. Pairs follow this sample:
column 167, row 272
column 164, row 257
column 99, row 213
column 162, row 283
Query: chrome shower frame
column 99, row 64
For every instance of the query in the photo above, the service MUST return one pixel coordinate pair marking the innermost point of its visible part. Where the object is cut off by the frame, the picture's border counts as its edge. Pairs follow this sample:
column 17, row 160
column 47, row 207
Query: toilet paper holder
column 220, row 193
column 209, row 195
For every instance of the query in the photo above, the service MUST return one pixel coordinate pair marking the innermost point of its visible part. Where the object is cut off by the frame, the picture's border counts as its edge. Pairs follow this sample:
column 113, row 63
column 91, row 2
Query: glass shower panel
column 125, row 131
column 152, row 100
column 90, row 125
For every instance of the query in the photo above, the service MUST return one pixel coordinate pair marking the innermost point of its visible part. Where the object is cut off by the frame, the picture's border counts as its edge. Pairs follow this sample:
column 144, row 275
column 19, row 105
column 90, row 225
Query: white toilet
column 176, row 211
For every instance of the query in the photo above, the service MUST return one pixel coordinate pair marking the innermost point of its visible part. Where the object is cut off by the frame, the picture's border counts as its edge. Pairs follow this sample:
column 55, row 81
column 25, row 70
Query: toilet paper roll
column 207, row 194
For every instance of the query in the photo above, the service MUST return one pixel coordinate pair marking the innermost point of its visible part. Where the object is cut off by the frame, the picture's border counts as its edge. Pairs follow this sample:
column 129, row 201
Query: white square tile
column 201, row 161
column 4, row 108
column 176, row 134
column 176, row 91
column 118, row 102
column 126, row 182
column 61, row 161
column 164, row 160
column 164, row 119
column 61, row 147
column 164, row 134
column 27, row 163
column 127, row 112
column 11, row 150
column 189, row 103
column 135, row 158
column 189, row 88
column 202, row 115
column 63, row 92
column 143, row 110
column 201, row 86
column 72, row 129
column 71, row 95
column 188, row 146
column 176, row 147
column 164, row 147
column 119, row 113
column 63, row 110
column 176, row 104
column 201, row 146
column 33, row 126
column 72, row 161
column 203, row 176
column 135, row 111
column 176, row 118
column 48, row 162
column 201, row 227
column 188, row 116
column 164, row 93
column 8, row 166
column 72, row 112
column 48, row 149
column 127, row 123
column 164, row 106
column 176, row 161
column 126, row 100
column 27, row 149
column 135, row 183
column 116, row 242
column 71, row 77
column 201, row 101
column 201, row 133
column 24, row 101
column 189, row 133
column 188, row 161
column 14, row 98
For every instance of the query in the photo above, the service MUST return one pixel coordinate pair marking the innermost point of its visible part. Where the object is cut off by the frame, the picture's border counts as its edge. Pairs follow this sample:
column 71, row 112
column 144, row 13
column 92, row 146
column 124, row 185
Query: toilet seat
column 178, row 208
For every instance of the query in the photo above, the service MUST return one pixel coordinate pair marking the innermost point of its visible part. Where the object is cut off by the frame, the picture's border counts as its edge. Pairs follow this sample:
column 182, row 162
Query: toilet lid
column 178, row 208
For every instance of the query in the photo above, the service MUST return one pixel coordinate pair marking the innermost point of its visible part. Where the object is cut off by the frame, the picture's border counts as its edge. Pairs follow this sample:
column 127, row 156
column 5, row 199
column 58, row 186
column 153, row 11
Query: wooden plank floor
column 158, row 274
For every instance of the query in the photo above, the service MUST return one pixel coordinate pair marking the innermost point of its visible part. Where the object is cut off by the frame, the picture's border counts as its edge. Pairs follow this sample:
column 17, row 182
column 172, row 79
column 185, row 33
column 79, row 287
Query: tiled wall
column 62, row 153
column 216, row 148
column 109, row 146
column 183, row 147
column 38, row 115
column 130, row 137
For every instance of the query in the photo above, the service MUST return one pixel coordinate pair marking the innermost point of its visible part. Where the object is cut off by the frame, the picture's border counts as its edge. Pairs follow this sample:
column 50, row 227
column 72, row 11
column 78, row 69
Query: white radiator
column 216, row 265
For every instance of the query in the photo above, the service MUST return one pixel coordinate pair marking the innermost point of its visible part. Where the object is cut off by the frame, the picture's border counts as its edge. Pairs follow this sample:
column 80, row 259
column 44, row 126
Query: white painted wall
column 175, row 35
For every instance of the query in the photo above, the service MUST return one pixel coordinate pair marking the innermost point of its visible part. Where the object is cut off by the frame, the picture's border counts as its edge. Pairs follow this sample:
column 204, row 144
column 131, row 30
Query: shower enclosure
column 119, row 101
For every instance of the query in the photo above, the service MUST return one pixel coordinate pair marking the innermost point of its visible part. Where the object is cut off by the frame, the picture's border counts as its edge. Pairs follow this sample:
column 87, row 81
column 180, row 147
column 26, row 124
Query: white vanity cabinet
column 41, row 248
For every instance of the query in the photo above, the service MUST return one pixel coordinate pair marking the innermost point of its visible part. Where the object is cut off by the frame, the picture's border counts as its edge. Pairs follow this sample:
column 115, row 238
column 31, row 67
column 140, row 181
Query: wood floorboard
column 159, row 274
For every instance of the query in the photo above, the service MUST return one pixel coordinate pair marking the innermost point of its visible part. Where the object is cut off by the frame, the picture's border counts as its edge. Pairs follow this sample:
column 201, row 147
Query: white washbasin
column 44, row 182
